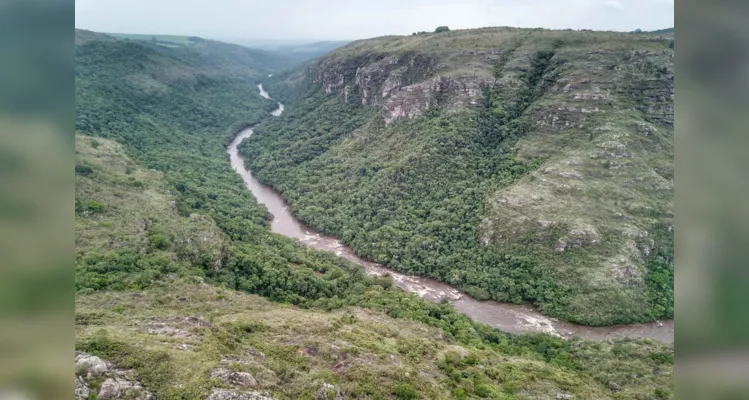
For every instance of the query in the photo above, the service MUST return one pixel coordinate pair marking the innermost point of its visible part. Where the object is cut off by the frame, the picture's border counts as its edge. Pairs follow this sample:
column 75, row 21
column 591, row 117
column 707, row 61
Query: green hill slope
column 520, row 165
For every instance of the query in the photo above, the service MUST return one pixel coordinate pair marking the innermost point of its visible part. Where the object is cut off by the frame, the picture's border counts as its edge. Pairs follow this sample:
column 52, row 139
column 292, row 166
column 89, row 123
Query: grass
column 292, row 352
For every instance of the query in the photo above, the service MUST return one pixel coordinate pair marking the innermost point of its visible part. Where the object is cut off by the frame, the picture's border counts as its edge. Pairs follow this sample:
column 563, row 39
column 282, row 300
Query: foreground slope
column 188, row 340
column 520, row 165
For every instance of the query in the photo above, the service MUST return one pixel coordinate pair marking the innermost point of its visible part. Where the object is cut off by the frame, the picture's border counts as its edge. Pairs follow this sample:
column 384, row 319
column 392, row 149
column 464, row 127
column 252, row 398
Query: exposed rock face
column 120, row 388
column 560, row 246
column 165, row 330
column 403, row 86
column 413, row 100
column 177, row 327
column 82, row 390
column 262, row 375
column 580, row 237
column 90, row 366
column 239, row 379
column 119, row 383
column 655, row 96
column 230, row 394
column 329, row 392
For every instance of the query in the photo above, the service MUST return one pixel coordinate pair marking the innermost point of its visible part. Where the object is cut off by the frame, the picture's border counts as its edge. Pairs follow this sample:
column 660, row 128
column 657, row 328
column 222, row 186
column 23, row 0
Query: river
column 512, row 318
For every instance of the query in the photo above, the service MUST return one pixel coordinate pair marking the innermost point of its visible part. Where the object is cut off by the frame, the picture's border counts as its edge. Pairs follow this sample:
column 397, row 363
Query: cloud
column 358, row 19
column 614, row 4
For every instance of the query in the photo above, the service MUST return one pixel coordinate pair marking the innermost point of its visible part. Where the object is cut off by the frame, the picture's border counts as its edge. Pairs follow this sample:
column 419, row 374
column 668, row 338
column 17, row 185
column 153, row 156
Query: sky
column 359, row 19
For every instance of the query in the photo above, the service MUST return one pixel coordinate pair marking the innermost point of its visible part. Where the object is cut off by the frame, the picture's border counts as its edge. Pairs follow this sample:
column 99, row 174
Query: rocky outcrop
column 230, row 394
column 117, row 383
column 118, row 388
column 90, row 366
column 455, row 92
column 329, row 392
column 403, row 86
column 82, row 390
column 655, row 96
column 237, row 379
column 176, row 327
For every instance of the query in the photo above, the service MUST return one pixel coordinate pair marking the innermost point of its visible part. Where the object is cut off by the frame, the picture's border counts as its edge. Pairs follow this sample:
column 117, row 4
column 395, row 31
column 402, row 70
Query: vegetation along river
column 507, row 317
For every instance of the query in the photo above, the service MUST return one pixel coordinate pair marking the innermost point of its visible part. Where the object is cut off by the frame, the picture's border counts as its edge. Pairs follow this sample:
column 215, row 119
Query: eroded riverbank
column 504, row 316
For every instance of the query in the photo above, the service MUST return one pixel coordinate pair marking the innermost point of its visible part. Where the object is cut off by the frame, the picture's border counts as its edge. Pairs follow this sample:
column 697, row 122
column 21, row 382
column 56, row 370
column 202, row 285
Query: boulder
column 92, row 366
column 82, row 391
column 328, row 392
column 121, row 388
column 240, row 379
column 231, row 394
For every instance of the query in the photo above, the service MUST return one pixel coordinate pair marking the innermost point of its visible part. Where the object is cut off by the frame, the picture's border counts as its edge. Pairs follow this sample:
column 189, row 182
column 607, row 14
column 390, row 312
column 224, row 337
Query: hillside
column 169, row 40
column 83, row 36
column 519, row 165
column 175, row 109
column 666, row 31
column 299, row 52
column 148, row 324
column 293, row 52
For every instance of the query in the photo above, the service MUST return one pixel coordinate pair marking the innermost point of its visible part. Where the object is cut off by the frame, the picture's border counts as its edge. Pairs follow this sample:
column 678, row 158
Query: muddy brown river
column 512, row 318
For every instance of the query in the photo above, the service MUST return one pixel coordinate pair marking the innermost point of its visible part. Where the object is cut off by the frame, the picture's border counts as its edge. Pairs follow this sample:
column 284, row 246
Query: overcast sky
column 357, row 19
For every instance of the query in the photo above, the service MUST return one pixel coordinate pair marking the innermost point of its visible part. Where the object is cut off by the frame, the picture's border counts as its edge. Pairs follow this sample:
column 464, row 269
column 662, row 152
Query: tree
column 441, row 29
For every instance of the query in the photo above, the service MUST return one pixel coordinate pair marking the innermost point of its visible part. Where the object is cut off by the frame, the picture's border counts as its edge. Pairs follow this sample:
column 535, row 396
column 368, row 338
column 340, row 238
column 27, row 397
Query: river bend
column 512, row 318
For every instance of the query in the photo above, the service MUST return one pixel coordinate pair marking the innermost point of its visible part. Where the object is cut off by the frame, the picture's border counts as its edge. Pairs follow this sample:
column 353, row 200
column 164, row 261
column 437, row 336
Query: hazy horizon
column 334, row 20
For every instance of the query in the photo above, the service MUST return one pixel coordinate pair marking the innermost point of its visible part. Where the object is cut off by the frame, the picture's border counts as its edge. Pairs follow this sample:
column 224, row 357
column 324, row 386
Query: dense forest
column 419, row 194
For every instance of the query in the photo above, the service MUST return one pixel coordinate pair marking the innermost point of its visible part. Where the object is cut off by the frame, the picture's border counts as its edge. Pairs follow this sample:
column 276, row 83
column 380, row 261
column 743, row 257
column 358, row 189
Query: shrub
column 509, row 387
column 484, row 390
column 83, row 169
column 251, row 327
column 661, row 394
column 158, row 241
column 95, row 207
column 94, row 143
column 131, row 181
column 404, row 391
column 441, row 29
